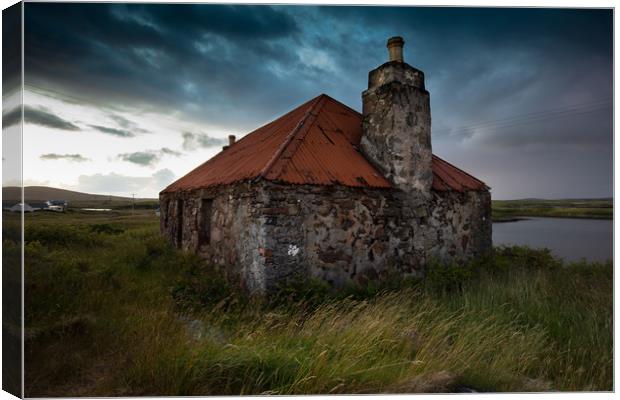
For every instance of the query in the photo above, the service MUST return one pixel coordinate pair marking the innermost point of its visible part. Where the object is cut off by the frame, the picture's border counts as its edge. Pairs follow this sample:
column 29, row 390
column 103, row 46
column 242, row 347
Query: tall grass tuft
column 112, row 309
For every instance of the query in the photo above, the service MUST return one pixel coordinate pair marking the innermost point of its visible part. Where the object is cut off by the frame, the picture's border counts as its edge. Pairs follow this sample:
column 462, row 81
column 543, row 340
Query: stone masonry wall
column 462, row 223
column 338, row 234
column 262, row 234
column 220, row 224
column 344, row 235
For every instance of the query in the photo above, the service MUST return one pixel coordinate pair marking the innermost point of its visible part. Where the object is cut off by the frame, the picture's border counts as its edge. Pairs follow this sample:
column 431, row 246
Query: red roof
column 315, row 144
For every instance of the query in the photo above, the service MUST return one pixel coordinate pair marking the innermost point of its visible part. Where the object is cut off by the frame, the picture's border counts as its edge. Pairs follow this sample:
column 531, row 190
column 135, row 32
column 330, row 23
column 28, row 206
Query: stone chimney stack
column 397, row 122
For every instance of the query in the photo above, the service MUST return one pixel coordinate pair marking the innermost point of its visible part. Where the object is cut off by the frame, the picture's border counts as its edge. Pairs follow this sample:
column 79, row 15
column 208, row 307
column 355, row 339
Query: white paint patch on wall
column 293, row 250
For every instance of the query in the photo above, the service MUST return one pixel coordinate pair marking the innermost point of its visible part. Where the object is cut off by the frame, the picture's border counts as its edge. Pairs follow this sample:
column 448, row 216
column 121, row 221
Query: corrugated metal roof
column 316, row 143
column 447, row 177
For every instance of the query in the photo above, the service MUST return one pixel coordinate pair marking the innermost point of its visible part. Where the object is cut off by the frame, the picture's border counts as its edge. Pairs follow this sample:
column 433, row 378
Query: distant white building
column 50, row 205
column 21, row 206
column 56, row 205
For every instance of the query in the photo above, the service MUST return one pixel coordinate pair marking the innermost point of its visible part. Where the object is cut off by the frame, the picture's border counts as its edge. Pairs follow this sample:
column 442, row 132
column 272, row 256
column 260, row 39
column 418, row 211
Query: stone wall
column 462, row 223
column 344, row 235
column 222, row 225
column 338, row 234
column 262, row 234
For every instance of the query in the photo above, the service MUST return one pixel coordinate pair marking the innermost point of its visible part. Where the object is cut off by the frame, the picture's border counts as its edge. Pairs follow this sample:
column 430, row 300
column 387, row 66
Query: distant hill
column 43, row 193
column 566, row 199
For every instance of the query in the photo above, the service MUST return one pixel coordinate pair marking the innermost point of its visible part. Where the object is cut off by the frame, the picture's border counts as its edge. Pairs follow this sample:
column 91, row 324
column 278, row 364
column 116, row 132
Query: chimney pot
column 231, row 140
column 395, row 48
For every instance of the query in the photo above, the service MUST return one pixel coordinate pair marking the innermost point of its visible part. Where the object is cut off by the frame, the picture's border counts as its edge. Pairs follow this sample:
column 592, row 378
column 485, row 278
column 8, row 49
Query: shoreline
column 518, row 218
column 508, row 219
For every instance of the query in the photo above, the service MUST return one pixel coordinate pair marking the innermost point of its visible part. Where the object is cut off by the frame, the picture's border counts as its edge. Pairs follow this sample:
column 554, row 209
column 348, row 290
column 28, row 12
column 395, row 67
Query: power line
column 528, row 117
column 573, row 107
column 578, row 109
column 519, row 123
column 537, row 115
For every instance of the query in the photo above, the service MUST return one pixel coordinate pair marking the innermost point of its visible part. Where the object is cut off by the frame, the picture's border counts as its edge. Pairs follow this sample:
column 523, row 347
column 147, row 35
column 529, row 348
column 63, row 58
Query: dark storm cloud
column 484, row 64
column 169, row 152
column 42, row 117
column 113, row 131
column 231, row 21
column 179, row 56
column 140, row 157
column 240, row 66
column 194, row 141
column 68, row 157
column 148, row 157
column 127, row 124
column 11, row 48
column 505, row 64
column 232, row 64
column 127, row 128
column 12, row 117
column 37, row 116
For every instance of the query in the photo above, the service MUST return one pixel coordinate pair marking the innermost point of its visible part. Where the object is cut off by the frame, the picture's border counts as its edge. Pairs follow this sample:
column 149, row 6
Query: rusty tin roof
column 315, row 144
column 448, row 177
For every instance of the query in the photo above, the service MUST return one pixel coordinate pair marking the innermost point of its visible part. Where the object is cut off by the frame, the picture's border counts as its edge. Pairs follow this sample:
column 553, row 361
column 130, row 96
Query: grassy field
column 112, row 309
column 582, row 208
column 141, row 204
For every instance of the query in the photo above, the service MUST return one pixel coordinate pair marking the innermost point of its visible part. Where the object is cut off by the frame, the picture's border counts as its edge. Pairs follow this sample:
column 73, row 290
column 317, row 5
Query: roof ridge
column 342, row 104
column 274, row 120
column 300, row 130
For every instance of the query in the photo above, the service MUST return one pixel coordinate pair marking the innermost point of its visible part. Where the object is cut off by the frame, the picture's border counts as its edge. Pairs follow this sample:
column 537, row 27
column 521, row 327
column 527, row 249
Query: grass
column 504, row 210
column 112, row 309
column 11, row 305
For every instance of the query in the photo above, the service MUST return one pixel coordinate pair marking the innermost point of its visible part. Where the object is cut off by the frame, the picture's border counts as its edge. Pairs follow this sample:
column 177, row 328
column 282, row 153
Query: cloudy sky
column 125, row 98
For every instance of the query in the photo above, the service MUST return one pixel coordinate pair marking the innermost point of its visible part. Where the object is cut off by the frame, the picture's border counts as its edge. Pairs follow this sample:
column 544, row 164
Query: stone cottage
column 326, row 192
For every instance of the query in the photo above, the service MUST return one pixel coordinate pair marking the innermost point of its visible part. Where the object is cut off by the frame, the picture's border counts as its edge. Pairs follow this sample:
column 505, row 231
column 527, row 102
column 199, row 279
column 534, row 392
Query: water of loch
column 571, row 239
